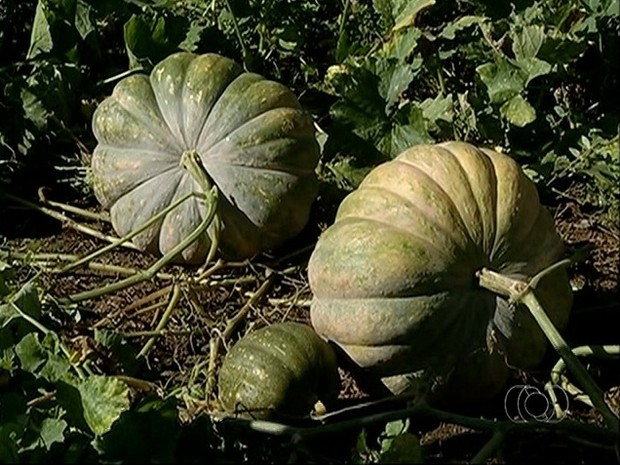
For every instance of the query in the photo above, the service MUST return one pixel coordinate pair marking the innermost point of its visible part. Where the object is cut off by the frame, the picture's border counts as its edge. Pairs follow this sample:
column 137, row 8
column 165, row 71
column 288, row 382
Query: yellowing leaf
column 103, row 400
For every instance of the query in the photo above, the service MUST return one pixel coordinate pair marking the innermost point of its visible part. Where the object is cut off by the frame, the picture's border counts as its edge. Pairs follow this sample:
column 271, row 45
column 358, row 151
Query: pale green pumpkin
column 281, row 369
column 394, row 278
column 255, row 142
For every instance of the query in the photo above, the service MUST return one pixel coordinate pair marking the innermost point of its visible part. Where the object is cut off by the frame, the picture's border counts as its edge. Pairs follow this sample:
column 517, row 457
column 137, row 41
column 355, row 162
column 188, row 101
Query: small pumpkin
column 394, row 278
column 281, row 369
column 254, row 140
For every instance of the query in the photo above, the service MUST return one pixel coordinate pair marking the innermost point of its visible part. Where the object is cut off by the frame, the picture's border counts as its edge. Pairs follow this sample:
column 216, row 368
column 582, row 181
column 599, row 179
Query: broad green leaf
column 103, row 400
column 30, row 353
column 439, row 108
column 40, row 38
column 449, row 32
column 7, row 362
column 52, row 431
column 150, row 39
column 154, row 422
column 534, row 67
column 83, row 22
column 7, row 274
column 405, row 11
column 394, row 428
column 391, row 88
column 404, row 448
column 407, row 128
column 502, row 79
column 526, row 41
column 27, row 300
column 7, row 314
column 347, row 173
column 42, row 358
column 401, row 44
column 384, row 8
column 55, row 368
column 518, row 111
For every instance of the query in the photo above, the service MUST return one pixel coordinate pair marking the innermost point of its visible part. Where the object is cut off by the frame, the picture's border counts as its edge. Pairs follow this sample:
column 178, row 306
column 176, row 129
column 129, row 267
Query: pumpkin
column 281, row 369
column 394, row 278
column 255, row 142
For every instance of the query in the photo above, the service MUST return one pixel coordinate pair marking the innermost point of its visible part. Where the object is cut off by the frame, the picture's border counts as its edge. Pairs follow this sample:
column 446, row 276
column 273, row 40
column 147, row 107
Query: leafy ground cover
column 121, row 379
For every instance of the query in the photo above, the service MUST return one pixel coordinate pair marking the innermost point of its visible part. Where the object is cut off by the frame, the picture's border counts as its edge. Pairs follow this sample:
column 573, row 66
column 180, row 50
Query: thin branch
column 174, row 300
column 69, row 222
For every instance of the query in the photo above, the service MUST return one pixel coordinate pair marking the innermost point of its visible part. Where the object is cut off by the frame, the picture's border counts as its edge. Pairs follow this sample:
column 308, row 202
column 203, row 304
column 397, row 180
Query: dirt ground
column 180, row 352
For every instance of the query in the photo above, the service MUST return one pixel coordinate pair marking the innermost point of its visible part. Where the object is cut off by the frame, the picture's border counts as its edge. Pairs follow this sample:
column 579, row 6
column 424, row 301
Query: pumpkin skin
column 281, row 369
column 394, row 278
column 255, row 142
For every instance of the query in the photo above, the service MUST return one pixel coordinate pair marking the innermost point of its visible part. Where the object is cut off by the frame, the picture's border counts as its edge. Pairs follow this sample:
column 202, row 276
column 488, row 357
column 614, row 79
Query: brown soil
column 180, row 354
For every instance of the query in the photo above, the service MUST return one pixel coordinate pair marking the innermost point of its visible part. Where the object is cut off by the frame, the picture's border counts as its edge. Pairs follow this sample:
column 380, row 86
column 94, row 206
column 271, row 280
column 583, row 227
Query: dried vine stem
column 558, row 378
column 421, row 410
column 191, row 161
column 105, row 217
column 172, row 304
column 68, row 221
column 125, row 239
column 520, row 291
column 49, row 263
column 231, row 326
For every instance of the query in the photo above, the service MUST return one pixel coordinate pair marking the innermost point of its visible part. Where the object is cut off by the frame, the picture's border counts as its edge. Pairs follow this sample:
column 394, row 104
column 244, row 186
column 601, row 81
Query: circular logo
column 524, row 402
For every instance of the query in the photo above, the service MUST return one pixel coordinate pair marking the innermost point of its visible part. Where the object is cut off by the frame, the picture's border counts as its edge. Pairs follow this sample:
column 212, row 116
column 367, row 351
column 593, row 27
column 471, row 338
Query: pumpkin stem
column 191, row 161
column 520, row 291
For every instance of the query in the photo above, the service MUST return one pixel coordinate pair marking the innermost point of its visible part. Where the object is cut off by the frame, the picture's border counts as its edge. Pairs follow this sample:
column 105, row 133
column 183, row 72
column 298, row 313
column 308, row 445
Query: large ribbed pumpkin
column 394, row 278
column 281, row 369
column 255, row 142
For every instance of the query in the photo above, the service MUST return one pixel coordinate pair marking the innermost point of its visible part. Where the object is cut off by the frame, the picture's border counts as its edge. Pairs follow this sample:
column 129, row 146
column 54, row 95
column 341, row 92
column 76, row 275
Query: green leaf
column 347, row 172
column 7, row 274
column 526, row 41
column 534, row 67
column 401, row 45
column 7, row 362
column 83, row 22
column 154, row 422
column 52, row 430
column 450, row 30
column 404, row 448
column 30, row 353
column 27, row 300
column 502, row 79
column 103, row 401
column 384, row 8
column 405, row 11
column 150, row 39
column 7, row 314
column 518, row 111
column 42, row 358
column 439, row 108
column 123, row 353
column 395, row 79
column 40, row 37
